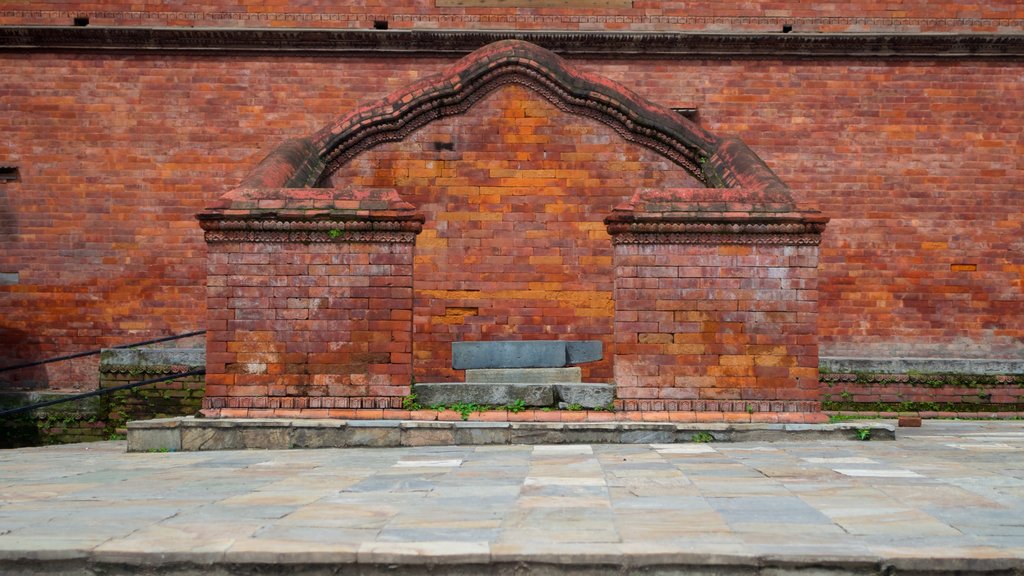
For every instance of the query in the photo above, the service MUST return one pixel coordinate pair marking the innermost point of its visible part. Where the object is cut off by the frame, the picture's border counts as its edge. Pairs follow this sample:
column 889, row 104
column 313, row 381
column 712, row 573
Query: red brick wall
column 916, row 162
column 514, row 245
column 708, row 323
column 612, row 15
column 307, row 326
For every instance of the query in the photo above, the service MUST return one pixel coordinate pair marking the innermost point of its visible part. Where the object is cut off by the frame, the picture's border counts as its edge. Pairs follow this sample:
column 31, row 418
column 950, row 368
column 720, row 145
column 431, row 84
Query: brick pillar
column 715, row 308
column 309, row 301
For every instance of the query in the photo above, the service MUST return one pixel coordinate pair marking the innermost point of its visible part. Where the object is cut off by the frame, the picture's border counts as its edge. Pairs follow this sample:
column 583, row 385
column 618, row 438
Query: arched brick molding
column 716, row 162
column 715, row 287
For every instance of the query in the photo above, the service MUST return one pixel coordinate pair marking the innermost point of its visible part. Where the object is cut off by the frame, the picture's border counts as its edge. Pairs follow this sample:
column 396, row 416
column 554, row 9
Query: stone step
column 585, row 395
column 525, row 375
column 525, row 354
column 534, row 395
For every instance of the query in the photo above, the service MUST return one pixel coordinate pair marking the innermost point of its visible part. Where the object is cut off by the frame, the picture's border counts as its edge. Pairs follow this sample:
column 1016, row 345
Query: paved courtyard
column 945, row 497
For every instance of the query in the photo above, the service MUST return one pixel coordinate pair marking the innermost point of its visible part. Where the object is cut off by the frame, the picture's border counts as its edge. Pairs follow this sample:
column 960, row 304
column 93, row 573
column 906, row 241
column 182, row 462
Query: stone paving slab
column 655, row 508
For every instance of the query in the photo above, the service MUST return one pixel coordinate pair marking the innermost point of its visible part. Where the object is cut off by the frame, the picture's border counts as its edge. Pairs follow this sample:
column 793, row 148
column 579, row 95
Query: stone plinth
column 715, row 303
column 309, row 301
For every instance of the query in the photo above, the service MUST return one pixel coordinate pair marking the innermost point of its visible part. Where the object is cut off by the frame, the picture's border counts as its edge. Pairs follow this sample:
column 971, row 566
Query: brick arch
column 714, row 161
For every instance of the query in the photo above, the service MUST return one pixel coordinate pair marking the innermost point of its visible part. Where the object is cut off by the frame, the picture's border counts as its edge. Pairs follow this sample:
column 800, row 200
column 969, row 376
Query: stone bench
column 525, row 354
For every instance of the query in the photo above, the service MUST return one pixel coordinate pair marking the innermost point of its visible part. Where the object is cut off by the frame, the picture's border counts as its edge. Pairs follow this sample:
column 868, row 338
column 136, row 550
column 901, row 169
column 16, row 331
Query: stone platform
column 945, row 499
column 199, row 434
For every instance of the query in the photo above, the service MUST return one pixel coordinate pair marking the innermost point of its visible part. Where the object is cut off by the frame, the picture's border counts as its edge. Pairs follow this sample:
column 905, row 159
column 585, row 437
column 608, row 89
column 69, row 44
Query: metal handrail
column 95, row 352
column 30, row 407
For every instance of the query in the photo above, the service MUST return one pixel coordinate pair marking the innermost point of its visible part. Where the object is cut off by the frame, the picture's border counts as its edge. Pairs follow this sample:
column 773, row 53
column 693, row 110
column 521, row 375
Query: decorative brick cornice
column 596, row 44
column 717, row 232
column 311, row 216
column 694, row 216
column 391, row 231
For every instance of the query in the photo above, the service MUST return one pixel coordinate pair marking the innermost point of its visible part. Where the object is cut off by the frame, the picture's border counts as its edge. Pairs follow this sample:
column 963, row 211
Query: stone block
column 317, row 434
column 524, row 354
column 484, row 394
column 537, row 433
column 478, row 433
column 910, row 422
column 221, row 438
column 585, row 395
column 592, row 433
column 649, row 434
column 583, row 351
column 154, row 439
column 372, row 434
column 265, row 437
column 427, row 433
column 525, row 375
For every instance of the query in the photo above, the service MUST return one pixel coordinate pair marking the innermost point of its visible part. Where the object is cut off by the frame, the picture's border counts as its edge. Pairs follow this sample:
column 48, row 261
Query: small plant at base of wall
column 702, row 437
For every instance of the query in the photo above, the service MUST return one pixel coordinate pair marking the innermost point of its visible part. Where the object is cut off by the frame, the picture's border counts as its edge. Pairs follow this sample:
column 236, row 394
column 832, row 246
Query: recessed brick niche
column 313, row 274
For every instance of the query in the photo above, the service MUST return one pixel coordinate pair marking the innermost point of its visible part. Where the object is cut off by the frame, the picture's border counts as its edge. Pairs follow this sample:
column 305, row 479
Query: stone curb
column 478, row 557
column 200, row 434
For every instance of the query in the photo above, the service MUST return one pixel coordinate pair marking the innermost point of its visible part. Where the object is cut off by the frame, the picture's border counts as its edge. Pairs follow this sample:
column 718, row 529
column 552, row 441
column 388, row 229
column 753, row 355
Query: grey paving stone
column 485, row 394
column 768, row 509
column 525, row 375
column 747, row 508
column 585, row 395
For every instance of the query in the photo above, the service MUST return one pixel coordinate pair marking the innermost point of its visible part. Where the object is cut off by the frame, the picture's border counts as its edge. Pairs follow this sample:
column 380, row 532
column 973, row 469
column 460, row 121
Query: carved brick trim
column 596, row 44
column 610, row 113
column 750, row 406
column 301, row 402
column 690, row 238
column 455, row 90
column 311, row 231
column 785, row 233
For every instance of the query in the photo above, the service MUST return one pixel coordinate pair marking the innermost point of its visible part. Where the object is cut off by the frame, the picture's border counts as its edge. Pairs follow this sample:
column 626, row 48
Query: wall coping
column 117, row 359
column 990, row 366
column 310, row 215
column 587, row 44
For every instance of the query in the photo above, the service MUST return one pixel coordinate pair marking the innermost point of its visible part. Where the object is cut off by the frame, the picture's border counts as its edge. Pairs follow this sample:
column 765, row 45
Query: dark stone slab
column 524, row 354
column 582, row 351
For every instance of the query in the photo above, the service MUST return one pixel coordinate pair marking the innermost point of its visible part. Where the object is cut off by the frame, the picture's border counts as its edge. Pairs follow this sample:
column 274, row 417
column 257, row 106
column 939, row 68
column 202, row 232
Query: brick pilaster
column 715, row 305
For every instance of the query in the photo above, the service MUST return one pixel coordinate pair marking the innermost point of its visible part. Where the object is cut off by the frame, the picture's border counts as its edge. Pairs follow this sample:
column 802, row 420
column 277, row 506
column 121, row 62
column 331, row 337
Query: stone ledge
column 200, row 434
column 151, row 359
column 988, row 366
